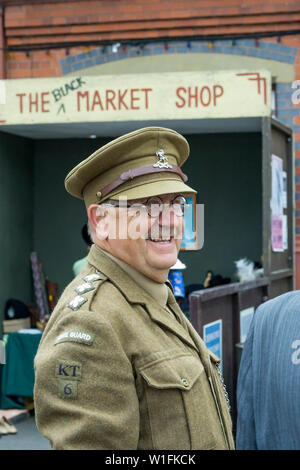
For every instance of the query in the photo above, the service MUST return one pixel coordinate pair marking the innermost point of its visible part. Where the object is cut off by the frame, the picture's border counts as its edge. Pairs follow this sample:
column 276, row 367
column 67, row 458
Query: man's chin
column 163, row 262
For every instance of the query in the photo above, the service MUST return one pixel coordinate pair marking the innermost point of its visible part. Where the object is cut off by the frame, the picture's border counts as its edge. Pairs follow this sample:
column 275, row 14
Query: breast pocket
column 168, row 387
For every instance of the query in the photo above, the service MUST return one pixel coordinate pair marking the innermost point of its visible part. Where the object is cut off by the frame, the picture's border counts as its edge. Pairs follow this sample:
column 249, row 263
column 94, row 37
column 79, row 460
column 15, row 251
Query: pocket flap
column 177, row 372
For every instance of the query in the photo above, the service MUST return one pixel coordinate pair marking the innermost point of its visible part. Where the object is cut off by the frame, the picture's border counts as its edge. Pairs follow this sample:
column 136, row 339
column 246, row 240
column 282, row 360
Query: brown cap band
column 140, row 171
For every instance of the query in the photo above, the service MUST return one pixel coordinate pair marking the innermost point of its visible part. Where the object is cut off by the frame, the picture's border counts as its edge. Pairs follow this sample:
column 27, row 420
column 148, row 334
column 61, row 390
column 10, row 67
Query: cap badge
column 163, row 160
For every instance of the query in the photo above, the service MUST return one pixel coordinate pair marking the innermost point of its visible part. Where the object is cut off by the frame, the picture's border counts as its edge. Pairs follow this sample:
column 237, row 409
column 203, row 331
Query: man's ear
column 97, row 216
column 94, row 213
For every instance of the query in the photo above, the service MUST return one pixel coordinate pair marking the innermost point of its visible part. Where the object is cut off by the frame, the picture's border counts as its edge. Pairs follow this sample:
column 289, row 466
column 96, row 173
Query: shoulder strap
column 85, row 290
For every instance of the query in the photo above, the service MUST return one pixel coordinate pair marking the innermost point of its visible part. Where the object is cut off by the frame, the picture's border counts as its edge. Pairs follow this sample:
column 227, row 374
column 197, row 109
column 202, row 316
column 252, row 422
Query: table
column 17, row 378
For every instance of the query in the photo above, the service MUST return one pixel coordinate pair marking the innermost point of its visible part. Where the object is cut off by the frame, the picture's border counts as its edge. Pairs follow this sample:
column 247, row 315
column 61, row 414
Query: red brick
column 48, row 23
column 142, row 2
column 43, row 73
column 20, row 74
column 130, row 8
column 12, row 64
column 24, row 64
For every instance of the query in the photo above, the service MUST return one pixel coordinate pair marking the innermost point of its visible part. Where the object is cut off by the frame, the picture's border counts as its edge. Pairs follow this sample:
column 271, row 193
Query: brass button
column 185, row 382
column 99, row 194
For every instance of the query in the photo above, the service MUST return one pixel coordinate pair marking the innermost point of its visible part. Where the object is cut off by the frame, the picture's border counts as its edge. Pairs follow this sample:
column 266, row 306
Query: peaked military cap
column 140, row 164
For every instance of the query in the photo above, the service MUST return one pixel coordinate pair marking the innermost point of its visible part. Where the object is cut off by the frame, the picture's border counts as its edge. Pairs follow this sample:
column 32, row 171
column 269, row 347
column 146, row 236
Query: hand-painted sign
column 149, row 96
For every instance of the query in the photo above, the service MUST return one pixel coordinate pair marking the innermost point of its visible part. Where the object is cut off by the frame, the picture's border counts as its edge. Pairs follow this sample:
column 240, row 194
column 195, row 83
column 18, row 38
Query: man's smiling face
column 149, row 244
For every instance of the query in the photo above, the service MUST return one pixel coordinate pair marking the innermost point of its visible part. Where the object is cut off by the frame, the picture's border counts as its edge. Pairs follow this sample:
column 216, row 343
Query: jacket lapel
column 137, row 295
column 193, row 334
column 168, row 321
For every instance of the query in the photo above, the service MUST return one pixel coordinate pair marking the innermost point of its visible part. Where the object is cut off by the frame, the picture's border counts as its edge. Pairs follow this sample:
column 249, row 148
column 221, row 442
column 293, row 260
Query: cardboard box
column 10, row 326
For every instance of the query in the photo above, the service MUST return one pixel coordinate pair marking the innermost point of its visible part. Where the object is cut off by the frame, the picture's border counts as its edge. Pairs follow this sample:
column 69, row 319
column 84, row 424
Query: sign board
column 136, row 97
column 212, row 337
column 246, row 316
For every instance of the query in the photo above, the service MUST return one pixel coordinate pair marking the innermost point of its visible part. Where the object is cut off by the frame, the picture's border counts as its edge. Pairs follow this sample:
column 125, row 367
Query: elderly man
column 119, row 366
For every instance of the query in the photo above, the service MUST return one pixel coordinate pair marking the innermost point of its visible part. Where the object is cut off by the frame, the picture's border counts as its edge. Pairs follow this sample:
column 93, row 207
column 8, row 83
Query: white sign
column 136, row 97
column 284, row 193
column 277, row 186
column 246, row 316
column 285, row 232
column 2, row 92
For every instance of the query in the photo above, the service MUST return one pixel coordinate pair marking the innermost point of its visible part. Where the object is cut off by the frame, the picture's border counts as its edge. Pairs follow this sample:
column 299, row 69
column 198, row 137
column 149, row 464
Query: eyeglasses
column 154, row 206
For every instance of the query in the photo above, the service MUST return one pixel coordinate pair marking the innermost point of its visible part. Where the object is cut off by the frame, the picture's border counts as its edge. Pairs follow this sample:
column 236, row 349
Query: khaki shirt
column 156, row 290
column 115, row 370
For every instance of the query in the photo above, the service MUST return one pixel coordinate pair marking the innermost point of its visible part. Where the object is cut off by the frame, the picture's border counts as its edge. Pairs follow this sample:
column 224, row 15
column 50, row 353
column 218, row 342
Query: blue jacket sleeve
column 245, row 436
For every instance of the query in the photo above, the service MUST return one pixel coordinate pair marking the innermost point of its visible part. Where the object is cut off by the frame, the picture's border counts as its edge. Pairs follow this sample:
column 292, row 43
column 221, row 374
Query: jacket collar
column 107, row 266
column 154, row 289
column 137, row 295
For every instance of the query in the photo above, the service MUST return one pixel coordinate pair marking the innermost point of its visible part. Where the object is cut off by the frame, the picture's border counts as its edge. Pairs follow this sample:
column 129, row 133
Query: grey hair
column 90, row 228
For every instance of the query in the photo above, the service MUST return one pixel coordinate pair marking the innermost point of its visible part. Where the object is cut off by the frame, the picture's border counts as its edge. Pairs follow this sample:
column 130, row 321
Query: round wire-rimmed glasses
column 154, row 206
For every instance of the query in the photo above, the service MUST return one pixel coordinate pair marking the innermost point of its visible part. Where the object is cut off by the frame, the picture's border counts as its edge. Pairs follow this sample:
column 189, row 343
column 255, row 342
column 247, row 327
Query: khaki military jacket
column 116, row 370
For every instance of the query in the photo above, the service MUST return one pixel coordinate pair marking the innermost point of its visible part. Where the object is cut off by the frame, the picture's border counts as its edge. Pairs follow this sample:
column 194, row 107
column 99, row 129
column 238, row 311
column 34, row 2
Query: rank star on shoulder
column 116, row 460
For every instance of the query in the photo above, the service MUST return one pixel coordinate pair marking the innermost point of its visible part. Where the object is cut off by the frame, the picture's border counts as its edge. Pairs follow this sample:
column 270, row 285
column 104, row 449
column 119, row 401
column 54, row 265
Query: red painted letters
column 33, row 102
column 113, row 100
column 118, row 99
column 194, row 97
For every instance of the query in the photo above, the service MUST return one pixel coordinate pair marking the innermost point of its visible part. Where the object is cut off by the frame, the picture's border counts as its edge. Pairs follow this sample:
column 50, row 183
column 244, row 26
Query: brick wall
column 40, row 24
column 44, row 22
column 33, row 24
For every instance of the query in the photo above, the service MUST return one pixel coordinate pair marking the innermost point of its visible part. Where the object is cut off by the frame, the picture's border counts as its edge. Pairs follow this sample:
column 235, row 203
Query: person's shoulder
column 283, row 305
column 109, row 299
column 90, row 305
column 90, row 291
column 81, row 290
column 283, row 299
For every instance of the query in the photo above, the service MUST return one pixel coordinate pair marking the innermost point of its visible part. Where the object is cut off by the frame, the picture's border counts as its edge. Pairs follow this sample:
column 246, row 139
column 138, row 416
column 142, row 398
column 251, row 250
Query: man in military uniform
column 119, row 365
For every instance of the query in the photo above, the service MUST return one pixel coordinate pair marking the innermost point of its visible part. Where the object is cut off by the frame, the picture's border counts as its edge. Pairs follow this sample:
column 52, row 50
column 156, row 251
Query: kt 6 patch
column 68, row 374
